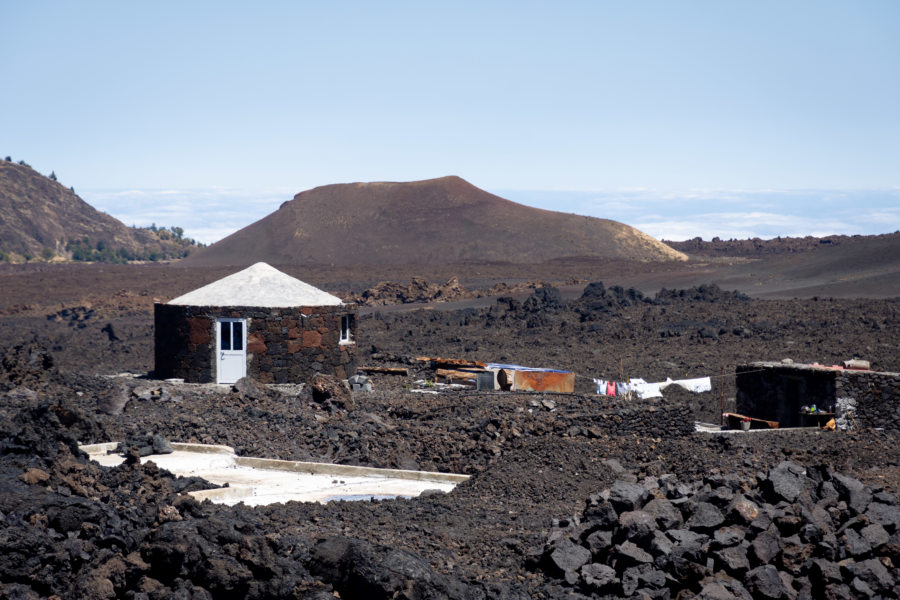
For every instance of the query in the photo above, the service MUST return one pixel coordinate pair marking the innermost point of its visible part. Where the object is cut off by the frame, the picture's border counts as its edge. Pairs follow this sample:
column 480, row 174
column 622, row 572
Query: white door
column 231, row 362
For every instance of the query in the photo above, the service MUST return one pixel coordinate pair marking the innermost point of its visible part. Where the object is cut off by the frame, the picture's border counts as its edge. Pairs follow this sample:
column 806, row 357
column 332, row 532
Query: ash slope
column 435, row 221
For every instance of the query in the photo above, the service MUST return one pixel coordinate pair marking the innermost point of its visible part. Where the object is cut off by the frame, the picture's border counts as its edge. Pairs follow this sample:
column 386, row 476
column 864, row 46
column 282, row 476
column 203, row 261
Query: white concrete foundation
column 259, row 481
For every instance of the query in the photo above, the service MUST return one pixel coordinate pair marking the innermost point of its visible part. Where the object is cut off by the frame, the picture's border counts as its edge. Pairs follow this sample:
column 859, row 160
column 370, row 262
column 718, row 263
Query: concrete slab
column 257, row 481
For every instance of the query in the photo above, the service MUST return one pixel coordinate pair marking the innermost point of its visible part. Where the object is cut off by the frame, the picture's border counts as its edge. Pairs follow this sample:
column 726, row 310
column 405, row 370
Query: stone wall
column 654, row 417
column 876, row 396
column 284, row 345
column 776, row 391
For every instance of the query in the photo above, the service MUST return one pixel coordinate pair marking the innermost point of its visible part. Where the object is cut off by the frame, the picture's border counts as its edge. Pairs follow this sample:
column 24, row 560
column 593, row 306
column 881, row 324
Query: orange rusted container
column 543, row 381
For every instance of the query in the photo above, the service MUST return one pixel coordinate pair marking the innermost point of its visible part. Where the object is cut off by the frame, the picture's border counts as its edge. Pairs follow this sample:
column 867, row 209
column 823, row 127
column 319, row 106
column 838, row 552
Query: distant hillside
column 40, row 218
column 436, row 221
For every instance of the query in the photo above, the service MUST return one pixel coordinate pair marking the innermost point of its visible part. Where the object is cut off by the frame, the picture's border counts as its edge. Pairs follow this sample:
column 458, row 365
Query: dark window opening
column 225, row 335
column 238, row 336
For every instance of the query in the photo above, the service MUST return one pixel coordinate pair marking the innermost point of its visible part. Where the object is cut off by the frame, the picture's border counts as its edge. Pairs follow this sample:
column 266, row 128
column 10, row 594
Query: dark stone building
column 778, row 391
column 258, row 322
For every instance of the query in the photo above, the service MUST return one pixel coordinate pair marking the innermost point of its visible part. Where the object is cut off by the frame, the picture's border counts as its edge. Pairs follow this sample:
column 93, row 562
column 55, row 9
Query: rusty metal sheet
column 451, row 362
column 462, row 374
column 543, row 381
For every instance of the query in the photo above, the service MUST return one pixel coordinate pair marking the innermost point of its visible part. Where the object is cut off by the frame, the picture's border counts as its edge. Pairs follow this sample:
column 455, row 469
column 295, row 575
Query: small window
column 225, row 335
column 346, row 327
column 237, row 335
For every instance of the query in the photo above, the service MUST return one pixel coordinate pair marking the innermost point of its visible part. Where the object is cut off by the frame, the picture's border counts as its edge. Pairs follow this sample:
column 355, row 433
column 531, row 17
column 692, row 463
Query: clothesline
column 722, row 377
column 643, row 390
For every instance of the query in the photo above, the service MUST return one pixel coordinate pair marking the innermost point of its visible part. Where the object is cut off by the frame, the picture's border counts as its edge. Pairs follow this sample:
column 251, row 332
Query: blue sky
column 680, row 118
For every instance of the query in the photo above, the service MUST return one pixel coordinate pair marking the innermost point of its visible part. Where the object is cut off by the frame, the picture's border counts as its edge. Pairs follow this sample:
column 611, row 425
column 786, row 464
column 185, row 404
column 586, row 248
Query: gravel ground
column 74, row 529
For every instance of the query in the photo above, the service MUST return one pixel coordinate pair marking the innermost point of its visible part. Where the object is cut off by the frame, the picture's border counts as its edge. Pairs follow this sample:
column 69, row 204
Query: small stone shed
column 258, row 322
column 776, row 391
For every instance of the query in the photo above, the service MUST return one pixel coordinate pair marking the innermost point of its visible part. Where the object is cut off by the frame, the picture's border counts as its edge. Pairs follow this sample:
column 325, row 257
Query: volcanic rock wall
column 645, row 417
column 877, row 397
column 283, row 344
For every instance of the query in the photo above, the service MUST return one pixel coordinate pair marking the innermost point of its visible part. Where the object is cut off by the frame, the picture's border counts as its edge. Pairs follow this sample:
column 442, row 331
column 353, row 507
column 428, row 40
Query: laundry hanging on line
column 645, row 390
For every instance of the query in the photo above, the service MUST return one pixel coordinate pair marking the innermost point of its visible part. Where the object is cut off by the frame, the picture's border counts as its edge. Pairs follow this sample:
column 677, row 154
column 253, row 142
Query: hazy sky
column 681, row 118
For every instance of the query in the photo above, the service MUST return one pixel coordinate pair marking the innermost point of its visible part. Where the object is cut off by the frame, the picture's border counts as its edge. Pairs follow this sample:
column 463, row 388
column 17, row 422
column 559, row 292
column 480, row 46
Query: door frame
column 243, row 351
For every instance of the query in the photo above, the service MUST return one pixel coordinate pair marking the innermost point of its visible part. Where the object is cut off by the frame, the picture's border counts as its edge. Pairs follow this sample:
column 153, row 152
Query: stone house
column 258, row 322
column 777, row 392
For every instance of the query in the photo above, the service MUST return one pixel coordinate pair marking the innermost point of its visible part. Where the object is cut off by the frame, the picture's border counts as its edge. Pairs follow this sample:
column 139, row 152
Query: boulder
column 637, row 526
column 875, row 535
column 733, row 560
column 566, row 556
column 625, row 496
column 853, row 492
column 599, row 542
column 742, row 510
column 786, row 481
column 599, row 578
column 329, row 390
column 705, row 517
column 112, row 402
column 873, row 572
column 249, row 388
column 601, row 515
column 359, row 569
column 886, row 515
column 765, row 547
column 824, row 572
column 728, row 536
column 764, row 582
column 628, row 553
column 666, row 514
column 854, row 544
column 160, row 445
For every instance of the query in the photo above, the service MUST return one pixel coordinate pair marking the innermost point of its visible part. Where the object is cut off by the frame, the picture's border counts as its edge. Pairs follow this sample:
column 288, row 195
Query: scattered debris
column 733, row 421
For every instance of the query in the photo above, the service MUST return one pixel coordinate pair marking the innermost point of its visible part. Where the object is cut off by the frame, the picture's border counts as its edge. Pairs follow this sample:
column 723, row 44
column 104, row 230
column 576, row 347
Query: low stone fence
column 655, row 417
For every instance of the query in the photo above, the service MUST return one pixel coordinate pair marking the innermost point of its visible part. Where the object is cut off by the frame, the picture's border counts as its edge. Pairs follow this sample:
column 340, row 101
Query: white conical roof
column 259, row 285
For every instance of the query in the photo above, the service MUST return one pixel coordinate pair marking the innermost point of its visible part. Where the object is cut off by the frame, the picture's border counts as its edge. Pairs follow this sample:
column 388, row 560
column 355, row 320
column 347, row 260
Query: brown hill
column 39, row 217
column 436, row 221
